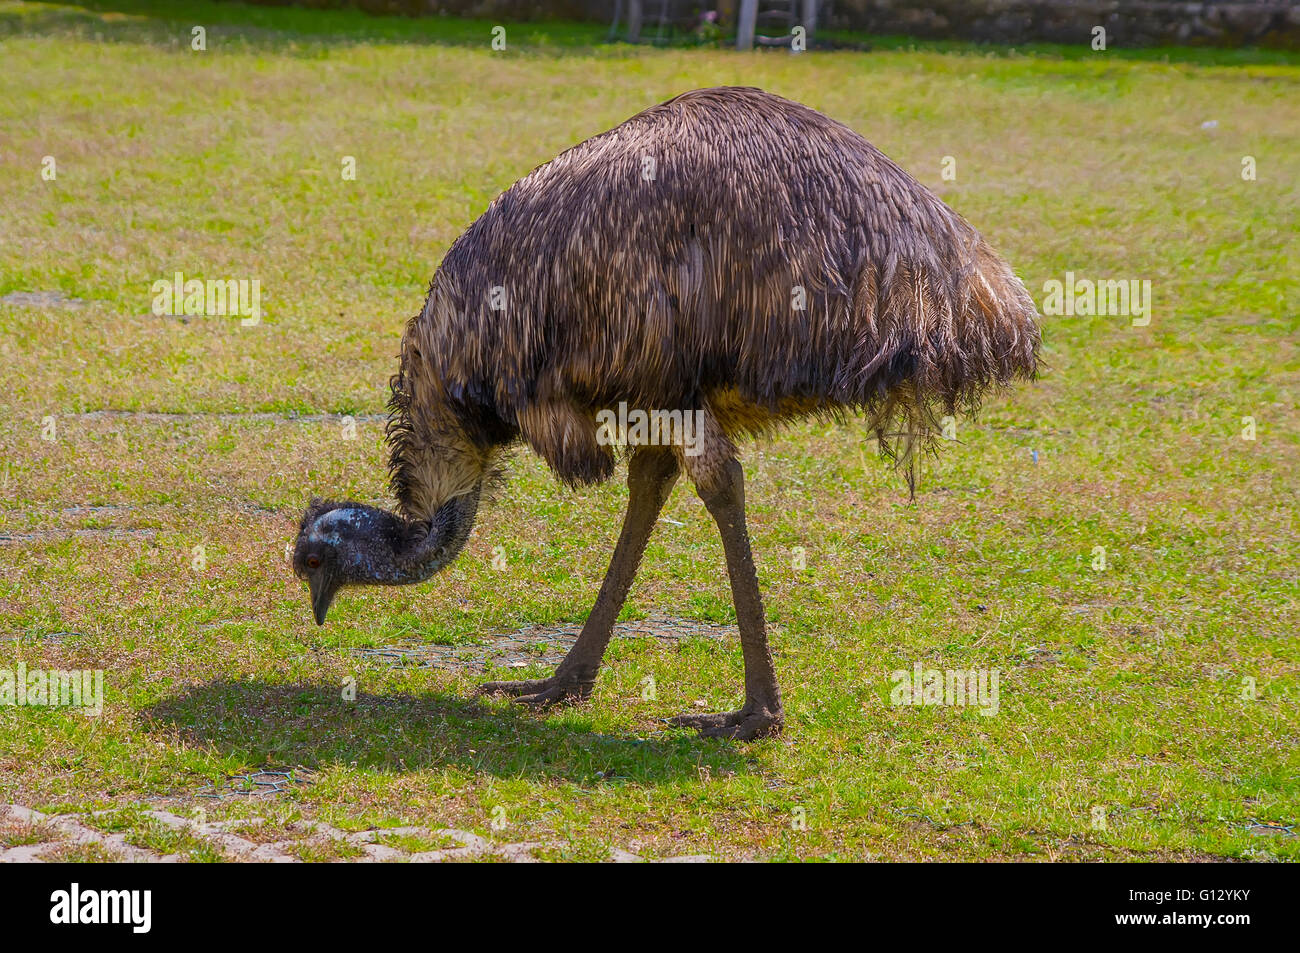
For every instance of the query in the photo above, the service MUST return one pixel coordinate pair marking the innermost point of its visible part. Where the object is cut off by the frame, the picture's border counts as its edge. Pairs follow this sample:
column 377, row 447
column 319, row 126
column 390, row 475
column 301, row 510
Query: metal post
column 746, row 24
column 810, row 19
column 618, row 15
column 633, row 21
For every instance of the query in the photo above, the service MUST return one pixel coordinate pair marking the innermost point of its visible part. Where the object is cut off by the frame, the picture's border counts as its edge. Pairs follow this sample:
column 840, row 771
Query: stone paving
column 531, row 645
column 224, row 836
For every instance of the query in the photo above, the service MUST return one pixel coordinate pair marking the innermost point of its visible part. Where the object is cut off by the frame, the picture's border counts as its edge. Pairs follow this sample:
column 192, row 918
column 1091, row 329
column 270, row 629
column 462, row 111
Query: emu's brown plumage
column 727, row 251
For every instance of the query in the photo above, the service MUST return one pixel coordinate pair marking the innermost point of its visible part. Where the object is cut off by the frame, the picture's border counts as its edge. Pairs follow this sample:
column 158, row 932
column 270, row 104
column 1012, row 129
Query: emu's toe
column 744, row 725
column 539, row 693
column 513, row 688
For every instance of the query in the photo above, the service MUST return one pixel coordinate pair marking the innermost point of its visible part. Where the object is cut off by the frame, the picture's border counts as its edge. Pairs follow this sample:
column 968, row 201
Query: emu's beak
column 323, row 588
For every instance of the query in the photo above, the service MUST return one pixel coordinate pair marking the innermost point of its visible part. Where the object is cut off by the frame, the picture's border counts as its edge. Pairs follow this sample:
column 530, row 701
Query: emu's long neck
column 397, row 551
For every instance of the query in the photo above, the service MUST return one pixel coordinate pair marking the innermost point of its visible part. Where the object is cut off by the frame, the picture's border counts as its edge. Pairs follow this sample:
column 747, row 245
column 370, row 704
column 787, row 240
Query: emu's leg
column 650, row 477
column 722, row 488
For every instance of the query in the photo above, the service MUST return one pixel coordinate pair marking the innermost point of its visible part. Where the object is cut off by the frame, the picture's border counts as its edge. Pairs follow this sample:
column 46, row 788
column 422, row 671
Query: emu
column 729, row 254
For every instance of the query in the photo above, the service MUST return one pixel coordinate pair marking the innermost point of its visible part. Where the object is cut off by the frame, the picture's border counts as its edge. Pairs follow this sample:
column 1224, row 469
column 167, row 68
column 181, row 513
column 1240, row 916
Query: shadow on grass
column 304, row 31
column 311, row 725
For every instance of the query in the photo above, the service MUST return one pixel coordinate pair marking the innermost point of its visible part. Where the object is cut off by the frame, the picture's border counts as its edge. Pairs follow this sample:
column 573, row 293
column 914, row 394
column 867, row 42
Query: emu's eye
column 313, row 562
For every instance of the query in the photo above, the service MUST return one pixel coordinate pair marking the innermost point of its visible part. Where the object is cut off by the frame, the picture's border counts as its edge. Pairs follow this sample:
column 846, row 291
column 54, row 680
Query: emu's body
column 727, row 252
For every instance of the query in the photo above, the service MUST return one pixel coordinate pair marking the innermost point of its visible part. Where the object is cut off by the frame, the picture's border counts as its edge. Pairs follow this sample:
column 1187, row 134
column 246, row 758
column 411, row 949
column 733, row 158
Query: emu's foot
column 540, row 692
column 752, row 721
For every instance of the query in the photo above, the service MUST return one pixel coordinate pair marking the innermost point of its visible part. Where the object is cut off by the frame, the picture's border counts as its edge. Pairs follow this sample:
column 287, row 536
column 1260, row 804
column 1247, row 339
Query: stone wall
column 505, row 10
column 1128, row 23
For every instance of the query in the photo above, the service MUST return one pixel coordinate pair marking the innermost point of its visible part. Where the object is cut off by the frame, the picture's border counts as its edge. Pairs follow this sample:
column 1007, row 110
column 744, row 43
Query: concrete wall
column 1127, row 22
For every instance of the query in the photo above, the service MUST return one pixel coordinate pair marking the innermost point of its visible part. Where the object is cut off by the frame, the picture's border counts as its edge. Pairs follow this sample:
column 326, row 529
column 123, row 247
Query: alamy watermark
column 133, row 908
column 1113, row 297
column 53, row 688
column 953, row 687
column 651, row 428
column 213, row 298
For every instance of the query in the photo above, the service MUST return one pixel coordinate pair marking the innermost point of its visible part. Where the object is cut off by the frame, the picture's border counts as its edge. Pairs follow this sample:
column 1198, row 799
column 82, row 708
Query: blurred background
column 1209, row 22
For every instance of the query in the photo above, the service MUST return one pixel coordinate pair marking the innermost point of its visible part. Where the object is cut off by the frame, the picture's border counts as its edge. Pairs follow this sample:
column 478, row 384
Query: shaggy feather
column 678, row 290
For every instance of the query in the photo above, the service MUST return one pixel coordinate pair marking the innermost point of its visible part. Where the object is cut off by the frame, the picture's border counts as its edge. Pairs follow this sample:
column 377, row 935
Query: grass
column 316, row 850
column 25, row 834
column 84, row 853
column 415, row 843
column 1158, row 693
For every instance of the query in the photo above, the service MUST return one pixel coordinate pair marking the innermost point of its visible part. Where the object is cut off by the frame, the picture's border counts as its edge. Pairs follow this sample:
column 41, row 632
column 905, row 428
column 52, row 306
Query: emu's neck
column 390, row 550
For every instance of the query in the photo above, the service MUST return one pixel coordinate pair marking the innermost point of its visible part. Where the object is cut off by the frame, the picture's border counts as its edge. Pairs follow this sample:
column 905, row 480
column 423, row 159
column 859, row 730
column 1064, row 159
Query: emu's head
column 339, row 544
column 351, row 544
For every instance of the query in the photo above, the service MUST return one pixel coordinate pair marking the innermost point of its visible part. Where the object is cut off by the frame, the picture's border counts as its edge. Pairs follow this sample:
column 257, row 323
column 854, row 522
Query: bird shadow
column 314, row 726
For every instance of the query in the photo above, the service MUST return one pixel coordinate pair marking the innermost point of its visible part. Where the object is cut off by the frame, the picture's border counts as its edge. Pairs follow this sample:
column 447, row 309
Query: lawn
column 155, row 467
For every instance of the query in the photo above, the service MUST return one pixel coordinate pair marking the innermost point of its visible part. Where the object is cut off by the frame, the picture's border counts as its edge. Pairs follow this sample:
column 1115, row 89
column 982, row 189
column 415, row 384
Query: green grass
column 161, row 839
column 316, row 850
column 416, row 843
column 23, row 834
column 1122, row 691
